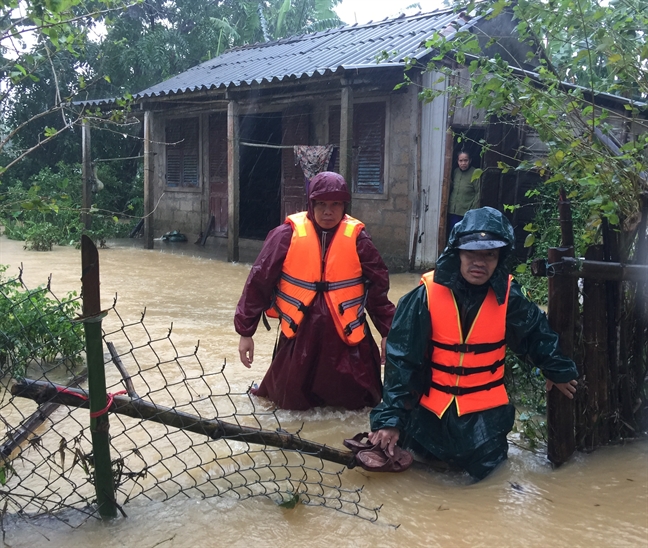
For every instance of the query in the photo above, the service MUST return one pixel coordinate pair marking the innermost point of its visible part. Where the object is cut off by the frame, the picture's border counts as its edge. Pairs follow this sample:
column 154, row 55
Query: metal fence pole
column 99, row 425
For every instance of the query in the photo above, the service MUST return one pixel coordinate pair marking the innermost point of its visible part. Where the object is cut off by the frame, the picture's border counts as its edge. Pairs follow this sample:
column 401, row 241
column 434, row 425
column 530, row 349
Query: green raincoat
column 475, row 442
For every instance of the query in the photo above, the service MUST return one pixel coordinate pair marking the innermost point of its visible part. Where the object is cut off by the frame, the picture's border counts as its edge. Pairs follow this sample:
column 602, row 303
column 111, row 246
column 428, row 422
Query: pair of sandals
column 371, row 457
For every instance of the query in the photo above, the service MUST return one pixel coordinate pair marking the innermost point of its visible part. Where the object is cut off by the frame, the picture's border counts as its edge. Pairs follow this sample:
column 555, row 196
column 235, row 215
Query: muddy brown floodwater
column 595, row 500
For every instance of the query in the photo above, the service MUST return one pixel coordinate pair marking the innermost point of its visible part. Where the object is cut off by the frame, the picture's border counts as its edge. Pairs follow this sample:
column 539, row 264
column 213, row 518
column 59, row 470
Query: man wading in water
column 444, row 396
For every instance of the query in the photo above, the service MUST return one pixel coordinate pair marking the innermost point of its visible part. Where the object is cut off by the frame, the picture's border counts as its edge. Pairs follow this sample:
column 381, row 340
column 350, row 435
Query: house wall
column 183, row 209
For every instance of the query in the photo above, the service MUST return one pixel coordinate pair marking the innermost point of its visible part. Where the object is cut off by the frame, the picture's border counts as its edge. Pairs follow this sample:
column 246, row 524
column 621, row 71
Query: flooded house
column 230, row 143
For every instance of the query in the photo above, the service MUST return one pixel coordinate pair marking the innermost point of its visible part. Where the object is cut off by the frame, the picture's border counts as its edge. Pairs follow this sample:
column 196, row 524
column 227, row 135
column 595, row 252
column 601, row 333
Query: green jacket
column 465, row 193
column 407, row 371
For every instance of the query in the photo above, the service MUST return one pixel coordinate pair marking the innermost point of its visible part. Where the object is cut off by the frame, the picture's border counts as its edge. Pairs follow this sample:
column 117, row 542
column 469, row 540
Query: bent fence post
column 99, row 424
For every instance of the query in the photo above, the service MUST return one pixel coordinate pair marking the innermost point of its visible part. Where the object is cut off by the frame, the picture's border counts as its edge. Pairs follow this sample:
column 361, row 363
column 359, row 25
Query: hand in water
column 386, row 438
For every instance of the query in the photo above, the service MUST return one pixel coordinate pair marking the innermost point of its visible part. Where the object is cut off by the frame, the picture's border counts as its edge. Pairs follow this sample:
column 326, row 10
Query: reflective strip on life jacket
column 338, row 277
column 468, row 370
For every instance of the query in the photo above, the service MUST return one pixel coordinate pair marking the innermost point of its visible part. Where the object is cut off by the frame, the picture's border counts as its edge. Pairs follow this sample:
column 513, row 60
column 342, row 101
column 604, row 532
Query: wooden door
column 218, row 173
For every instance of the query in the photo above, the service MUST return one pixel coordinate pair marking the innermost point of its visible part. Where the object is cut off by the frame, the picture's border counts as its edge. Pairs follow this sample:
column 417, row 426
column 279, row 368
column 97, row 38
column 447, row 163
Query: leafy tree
column 43, row 69
column 56, row 53
column 579, row 51
column 158, row 39
column 596, row 48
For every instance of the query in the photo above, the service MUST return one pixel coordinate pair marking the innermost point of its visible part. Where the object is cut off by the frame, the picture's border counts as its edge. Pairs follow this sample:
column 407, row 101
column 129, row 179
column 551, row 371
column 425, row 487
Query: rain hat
column 480, row 240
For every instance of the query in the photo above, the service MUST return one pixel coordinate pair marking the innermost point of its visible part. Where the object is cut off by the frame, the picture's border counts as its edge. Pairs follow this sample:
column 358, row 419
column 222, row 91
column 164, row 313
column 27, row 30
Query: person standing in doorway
column 464, row 193
column 320, row 274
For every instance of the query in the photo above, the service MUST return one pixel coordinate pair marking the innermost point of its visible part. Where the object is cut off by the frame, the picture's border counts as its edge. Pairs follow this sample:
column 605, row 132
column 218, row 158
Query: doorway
column 259, row 175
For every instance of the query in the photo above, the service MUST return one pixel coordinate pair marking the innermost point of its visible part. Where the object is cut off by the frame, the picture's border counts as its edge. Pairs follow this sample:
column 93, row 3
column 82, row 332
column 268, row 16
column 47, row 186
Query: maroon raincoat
column 316, row 368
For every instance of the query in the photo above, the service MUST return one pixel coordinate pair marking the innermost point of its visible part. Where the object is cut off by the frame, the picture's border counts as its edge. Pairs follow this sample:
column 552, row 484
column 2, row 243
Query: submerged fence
column 176, row 428
column 606, row 333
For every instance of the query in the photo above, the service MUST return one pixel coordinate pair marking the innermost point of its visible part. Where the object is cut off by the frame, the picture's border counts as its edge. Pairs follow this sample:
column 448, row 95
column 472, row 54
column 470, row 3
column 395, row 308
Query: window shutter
column 369, row 138
column 368, row 145
column 182, row 152
column 174, row 167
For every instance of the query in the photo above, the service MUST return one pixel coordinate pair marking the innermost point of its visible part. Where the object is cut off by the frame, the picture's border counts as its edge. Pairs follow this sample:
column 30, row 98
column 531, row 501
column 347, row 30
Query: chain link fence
column 176, row 427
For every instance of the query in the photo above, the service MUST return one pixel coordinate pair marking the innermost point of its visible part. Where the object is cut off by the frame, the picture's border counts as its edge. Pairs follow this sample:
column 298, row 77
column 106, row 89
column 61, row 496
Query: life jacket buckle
column 320, row 287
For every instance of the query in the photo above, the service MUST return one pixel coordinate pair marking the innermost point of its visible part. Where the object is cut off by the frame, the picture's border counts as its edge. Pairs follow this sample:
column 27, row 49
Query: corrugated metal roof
column 355, row 46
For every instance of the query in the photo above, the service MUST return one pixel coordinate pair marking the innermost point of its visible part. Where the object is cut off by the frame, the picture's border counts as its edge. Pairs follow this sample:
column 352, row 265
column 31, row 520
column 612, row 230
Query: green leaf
column 521, row 268
column 49, row 131
column 529, row 241
column 476, row 174
column 291, row 502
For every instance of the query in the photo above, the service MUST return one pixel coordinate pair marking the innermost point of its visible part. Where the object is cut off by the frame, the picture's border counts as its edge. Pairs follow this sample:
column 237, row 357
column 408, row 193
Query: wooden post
column 86, row 174
column 99, row 425
column 641, row 298
column 595, row 382
column 618, row 371
column 562, row 310
column 149, row 179
column 561, row 314
column 233, row 183
column 442, row 236
column 346, row 134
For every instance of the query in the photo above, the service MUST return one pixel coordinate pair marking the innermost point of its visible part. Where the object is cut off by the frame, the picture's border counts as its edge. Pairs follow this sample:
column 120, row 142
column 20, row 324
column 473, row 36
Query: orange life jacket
column 467, row 370
column 338, row 276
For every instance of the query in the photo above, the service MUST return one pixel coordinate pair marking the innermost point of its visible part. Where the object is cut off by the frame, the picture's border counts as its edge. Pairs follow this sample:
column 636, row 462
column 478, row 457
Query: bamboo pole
column 42, row 391
column 99, row 425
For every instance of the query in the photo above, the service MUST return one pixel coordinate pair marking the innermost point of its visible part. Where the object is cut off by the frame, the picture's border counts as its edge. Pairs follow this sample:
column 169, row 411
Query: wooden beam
column 593, row 270
column 149, row 179
column 346, row 135
column 596, row 409
column 233, row 182
column 41, row 391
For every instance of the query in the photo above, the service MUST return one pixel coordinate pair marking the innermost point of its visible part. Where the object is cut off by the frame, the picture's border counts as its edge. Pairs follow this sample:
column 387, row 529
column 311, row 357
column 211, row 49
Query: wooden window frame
column 359, row 193
column 183, row 158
